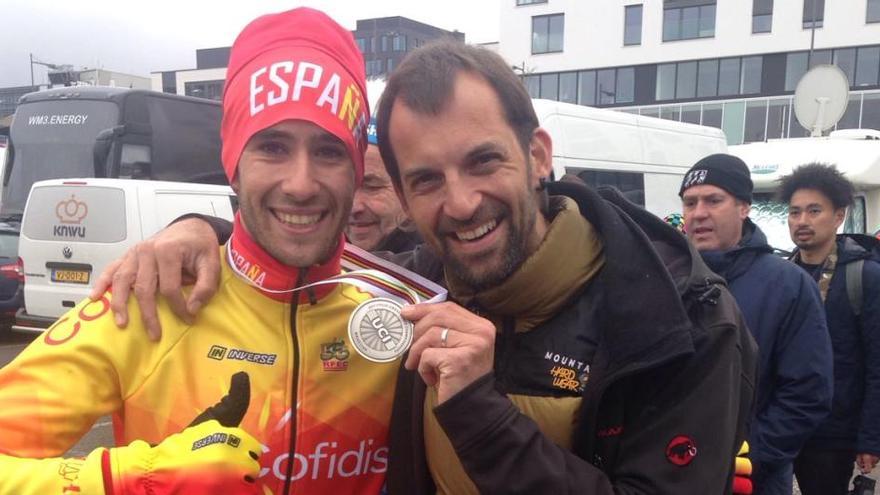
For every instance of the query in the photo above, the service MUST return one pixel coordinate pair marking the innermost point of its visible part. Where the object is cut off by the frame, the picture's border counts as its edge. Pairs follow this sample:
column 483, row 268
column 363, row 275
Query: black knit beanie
column 725, row 171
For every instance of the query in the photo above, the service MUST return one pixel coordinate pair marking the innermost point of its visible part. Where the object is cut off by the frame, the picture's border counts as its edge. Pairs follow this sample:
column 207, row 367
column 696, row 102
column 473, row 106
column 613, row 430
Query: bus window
column 186, row 140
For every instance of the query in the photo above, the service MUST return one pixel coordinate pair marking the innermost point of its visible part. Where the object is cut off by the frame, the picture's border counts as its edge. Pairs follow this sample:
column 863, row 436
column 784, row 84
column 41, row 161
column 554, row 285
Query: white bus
column 855, row 152
column 644, row 157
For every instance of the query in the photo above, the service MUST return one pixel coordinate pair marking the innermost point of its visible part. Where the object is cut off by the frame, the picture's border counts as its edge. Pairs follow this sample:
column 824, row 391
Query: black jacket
column 853, row 422
column 671, row 387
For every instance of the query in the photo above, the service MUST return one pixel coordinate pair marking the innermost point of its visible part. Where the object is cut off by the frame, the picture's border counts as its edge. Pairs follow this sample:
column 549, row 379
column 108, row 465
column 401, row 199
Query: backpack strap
column 854, row 285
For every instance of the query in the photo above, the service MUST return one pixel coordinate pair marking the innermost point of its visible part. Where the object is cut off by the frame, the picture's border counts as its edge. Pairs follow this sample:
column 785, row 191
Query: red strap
column 107, row 472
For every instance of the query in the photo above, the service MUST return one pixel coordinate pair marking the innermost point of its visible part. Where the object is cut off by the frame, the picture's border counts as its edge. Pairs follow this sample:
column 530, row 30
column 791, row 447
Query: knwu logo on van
column 70, row 214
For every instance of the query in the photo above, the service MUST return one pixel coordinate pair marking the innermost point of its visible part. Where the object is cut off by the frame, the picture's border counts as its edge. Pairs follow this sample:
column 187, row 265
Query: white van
column 645, row 157
column 72, row 228
column 855, row 152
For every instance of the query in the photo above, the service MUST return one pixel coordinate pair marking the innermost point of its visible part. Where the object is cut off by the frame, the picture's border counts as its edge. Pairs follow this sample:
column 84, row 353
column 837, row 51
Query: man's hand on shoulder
column 452, row 347
column 183, row 252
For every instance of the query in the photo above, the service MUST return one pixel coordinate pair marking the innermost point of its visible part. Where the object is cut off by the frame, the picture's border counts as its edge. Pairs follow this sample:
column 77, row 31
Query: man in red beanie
column 304, row 412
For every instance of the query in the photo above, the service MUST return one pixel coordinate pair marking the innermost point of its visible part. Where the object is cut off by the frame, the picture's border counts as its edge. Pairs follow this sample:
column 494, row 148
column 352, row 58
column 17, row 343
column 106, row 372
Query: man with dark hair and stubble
column 588, row 348
column 847, row 269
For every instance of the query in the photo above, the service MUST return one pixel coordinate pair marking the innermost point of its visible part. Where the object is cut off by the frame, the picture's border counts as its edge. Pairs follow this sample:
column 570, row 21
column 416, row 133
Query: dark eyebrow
column 483, row 148
column 271, row 134
column 420, row 170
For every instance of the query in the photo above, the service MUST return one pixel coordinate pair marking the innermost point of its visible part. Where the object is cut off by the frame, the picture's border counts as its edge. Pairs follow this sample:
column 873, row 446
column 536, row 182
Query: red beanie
column 298, row 64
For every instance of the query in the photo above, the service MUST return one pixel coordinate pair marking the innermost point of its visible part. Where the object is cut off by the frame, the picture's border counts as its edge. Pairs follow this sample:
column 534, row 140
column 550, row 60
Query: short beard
column 514, row 255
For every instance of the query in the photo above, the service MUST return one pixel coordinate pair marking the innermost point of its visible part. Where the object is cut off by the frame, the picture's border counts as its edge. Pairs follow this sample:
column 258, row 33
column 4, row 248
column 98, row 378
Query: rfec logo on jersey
column 285, row 81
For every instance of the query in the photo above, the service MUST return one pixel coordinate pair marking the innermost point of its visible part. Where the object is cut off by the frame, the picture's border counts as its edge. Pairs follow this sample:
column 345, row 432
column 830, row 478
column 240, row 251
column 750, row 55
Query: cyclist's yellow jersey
column 84, row 367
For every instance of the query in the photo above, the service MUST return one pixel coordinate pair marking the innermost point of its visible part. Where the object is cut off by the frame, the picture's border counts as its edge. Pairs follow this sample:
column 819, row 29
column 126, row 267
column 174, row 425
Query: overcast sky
column 154, row 35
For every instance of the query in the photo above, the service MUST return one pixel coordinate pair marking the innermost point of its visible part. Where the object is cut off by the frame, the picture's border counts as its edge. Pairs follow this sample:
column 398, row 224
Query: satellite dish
column 820, row 98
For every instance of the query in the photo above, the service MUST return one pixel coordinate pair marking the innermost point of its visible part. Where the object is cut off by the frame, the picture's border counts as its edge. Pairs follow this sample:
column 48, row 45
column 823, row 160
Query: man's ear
column 839, row 216
column 745, row 209
column 234, row 184
column 541, row 155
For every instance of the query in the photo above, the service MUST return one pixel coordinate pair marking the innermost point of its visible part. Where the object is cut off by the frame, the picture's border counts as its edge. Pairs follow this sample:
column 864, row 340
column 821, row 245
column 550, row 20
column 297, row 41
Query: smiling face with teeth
column 468, row 183
column 295, row 185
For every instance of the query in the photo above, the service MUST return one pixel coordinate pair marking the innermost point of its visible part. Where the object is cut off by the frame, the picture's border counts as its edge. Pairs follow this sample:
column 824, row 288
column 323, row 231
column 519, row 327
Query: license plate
column 70, row 276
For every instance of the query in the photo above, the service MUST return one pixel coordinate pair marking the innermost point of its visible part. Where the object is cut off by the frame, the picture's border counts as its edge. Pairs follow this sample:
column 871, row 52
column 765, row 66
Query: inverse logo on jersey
column 220, row 353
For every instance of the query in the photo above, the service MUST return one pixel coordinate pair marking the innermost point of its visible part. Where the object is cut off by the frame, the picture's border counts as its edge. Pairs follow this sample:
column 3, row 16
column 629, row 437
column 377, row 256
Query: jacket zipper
column 294, row 385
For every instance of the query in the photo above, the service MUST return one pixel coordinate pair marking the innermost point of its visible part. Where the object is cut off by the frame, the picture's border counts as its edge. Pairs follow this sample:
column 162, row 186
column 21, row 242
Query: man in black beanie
column 781, row 306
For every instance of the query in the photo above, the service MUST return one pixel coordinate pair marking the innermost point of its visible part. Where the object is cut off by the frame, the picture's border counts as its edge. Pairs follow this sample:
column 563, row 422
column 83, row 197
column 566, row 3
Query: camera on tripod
column 863, row 485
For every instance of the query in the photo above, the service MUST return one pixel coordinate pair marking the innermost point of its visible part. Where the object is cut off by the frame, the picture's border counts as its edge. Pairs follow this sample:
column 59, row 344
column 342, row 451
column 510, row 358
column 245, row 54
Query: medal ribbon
column 376, row 282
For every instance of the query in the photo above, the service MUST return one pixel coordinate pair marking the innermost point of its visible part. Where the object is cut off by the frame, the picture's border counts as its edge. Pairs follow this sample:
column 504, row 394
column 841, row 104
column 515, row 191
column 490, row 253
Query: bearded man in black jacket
column 587, row 348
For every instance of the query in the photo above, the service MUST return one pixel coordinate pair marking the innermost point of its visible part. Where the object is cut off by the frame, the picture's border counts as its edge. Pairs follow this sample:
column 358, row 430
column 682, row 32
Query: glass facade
column 759, row 119
column 587, row 87
column 730, row 92
column 708, row 78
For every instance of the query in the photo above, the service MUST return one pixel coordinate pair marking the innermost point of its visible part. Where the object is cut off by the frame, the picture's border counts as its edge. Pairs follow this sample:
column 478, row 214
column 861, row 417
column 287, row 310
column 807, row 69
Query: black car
column 11, row 272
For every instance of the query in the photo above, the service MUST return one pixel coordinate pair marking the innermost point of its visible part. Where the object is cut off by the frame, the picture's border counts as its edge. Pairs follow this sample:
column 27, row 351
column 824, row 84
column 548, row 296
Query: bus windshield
column 52, row 140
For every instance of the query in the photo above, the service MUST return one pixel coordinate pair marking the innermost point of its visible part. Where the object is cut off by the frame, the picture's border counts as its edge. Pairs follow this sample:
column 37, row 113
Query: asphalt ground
column 101, row 434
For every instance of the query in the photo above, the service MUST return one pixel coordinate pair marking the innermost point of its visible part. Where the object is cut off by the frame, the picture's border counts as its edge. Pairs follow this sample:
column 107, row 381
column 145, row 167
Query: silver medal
column 378, row 332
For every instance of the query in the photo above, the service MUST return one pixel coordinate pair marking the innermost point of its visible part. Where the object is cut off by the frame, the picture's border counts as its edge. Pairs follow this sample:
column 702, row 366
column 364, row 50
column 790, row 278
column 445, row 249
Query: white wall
column 593, row 33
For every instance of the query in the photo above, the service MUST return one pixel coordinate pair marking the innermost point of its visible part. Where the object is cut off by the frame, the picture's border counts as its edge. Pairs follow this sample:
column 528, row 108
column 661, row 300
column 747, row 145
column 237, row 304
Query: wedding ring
column 443, row 336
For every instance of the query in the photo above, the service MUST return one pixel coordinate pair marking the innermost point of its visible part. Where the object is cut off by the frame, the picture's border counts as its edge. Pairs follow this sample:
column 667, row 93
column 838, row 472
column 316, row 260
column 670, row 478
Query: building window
column 212, row 90
column 751, row 75
column 873, row 14
column 389, row 63
column 688, row 19
column 686, row 80
column 568, row 87
column 814, row 13
column 728, row 77
column 632, row 25
column 399, row 43
column 362, row 45
column 665, row 82
column 707, row 79
column 550, row 86
column 625, row 86
column 529, row 2
column 533, row 86
column 867, row 65
column 587, row 87
column 606, row 86
column 762, row 16
column 547, row 33
column 384, row 43
column 845, row 58
column 375, row 68
column 795, row 68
